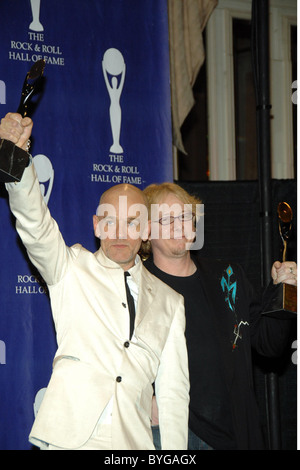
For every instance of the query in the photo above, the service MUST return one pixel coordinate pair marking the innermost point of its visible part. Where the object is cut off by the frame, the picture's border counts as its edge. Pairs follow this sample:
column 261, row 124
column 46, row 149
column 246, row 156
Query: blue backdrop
column 90, row 132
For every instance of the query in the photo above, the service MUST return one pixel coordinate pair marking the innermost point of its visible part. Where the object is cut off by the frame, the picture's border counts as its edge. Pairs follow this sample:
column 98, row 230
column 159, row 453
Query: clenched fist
column 17, row 129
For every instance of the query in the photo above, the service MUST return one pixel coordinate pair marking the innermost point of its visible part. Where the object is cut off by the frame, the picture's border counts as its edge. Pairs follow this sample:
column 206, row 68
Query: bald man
column 100, row 392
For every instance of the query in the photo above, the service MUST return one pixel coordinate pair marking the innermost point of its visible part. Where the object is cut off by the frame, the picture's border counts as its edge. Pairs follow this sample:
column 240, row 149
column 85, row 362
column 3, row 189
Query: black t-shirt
column 209, row 411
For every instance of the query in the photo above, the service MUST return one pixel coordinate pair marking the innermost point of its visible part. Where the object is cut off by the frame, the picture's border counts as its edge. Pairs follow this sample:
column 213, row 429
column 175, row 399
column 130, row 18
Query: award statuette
column 285, row 304
column 13, row 160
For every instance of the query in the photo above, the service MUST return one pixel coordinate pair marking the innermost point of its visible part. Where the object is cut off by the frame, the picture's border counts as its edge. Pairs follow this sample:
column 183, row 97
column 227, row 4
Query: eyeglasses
column 169, row 219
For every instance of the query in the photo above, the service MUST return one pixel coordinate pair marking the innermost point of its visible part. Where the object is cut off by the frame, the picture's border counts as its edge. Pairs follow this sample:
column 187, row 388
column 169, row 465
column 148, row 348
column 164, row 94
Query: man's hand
column 284, row 272
column 17, row 129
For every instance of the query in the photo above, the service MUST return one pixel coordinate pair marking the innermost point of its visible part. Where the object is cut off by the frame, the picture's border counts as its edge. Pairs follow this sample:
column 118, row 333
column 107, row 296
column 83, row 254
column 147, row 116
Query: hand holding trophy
column 13, row 160
column 284, row 305
column 289, row 292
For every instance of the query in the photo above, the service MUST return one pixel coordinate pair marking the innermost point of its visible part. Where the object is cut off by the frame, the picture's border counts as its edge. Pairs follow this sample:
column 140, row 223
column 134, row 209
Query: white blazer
column 94, row 360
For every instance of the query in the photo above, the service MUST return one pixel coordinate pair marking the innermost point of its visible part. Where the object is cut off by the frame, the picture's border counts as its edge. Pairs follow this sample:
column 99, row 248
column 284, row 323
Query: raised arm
column 38, row 230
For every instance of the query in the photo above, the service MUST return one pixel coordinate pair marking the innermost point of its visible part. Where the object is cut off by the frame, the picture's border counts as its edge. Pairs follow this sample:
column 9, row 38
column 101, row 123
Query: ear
column 96, row 226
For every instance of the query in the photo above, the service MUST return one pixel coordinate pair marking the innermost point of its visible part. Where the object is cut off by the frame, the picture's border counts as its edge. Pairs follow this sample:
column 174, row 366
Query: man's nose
column 122, row 230
column 177, row 224
column 177, row 228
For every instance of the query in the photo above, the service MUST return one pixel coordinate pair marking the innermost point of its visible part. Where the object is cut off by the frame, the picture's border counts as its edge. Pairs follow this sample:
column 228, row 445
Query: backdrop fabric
column 102, row 116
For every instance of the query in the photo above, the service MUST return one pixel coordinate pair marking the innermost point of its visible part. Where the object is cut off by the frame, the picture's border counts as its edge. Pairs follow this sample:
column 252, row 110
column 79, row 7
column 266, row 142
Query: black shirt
column 209, row 411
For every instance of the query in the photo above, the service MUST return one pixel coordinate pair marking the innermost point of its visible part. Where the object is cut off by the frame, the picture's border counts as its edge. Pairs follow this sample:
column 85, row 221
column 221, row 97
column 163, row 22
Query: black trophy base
column 285, row 304
column 13, row 161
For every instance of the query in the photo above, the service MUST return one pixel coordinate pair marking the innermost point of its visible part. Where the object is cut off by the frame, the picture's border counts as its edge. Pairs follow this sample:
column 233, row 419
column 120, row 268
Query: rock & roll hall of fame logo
column 114, row 68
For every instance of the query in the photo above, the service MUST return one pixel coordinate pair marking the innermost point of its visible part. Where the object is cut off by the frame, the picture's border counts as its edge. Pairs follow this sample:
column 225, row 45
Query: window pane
column 194, row 165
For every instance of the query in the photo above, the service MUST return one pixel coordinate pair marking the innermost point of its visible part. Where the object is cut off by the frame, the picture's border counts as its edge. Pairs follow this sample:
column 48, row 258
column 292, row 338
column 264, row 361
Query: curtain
column 187, row 20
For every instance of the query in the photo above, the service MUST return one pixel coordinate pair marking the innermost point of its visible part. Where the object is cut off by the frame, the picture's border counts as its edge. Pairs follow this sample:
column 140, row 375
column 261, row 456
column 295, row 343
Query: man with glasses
column 223, row 322
column 119, row 328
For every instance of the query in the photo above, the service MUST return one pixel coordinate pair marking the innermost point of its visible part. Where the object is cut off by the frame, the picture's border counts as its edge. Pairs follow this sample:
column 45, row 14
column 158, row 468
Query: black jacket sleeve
column 269, row 335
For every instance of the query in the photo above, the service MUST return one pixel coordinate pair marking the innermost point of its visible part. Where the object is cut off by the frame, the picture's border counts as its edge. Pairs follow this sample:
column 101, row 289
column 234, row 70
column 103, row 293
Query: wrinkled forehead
column 169, row 204
column 123, row 204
